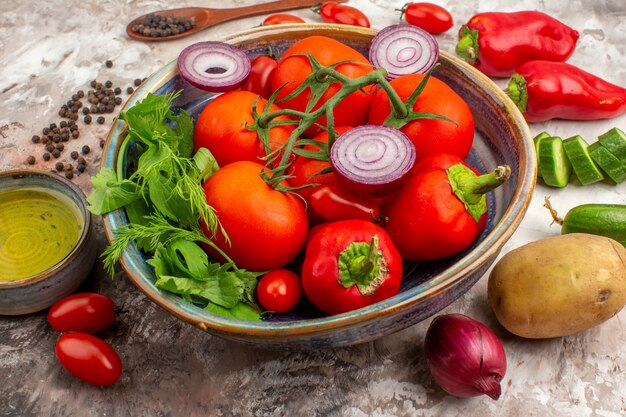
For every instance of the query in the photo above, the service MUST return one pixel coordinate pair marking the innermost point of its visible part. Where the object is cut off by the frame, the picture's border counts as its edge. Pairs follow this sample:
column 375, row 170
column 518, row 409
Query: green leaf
column 137, row 213
column 187, row 259
column 240, row 311
column 109, row 194
column 206, row 163
column 225, row 291
column 184, row 132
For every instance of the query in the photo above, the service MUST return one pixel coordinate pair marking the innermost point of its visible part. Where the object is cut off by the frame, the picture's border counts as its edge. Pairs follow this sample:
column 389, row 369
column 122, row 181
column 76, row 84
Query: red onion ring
column 404, row 49
column 372, row 160
column 213, row 66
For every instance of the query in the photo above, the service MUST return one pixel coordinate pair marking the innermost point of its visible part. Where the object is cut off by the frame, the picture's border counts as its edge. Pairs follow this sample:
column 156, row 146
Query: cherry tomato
column 266, row 228
column 260, row 79
column 430, row 135
column 89, row 358
column 222, row 128
column 82, row 312
column 294, row 67
column 428, row 16
column 279, row 18
column 333, row 12
column 279, row 290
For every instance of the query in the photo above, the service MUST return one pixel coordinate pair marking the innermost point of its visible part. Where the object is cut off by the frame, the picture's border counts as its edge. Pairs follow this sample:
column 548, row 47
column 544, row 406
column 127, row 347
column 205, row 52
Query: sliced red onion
column 372, row 160
column 213, row 66
column 404, row 49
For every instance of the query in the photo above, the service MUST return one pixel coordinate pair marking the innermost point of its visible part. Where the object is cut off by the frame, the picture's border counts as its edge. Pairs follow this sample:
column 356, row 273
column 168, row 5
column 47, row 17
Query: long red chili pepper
column 498, row 42
column 545, row 90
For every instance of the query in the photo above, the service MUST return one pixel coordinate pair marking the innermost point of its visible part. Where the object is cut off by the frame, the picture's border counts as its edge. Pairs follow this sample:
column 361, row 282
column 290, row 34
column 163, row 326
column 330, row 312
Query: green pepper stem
column 361, row 267
column 467, row 47
column 517, row 92
column 471, row 188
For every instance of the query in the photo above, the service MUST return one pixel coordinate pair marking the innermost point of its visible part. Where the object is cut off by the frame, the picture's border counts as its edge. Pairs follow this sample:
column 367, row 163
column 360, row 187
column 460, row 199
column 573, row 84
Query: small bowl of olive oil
column 47, row 247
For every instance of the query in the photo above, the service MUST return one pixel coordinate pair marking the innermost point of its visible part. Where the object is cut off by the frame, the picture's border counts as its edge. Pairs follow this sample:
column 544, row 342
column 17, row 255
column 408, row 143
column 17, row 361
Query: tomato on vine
column 280, row 18
column 279, row 290
column 260, row 79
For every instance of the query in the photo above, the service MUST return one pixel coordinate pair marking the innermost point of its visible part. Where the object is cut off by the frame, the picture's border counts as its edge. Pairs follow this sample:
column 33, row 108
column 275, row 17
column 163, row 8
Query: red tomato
column 89, row 359
column 266, row 228
column 333, row 12
column 430, row 17
column 82, row 312
column 279, row 290
column 278, row 18
column 260, row 79
column 222, row 128
column 294, row 68
column 430, row 135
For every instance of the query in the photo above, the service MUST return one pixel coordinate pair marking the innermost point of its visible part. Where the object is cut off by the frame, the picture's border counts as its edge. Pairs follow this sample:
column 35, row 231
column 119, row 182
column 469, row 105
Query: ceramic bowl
column 502, row 137
column 40, row 291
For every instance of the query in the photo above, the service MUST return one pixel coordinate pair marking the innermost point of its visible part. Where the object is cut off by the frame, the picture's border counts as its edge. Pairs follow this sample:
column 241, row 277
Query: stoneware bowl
column 502, row 137
column 40, row 291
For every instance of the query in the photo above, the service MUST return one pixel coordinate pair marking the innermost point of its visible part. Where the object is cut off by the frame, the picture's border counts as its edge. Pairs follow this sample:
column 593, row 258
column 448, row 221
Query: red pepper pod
column 441, row 209
column 545, row 90
column 349, row 264
column 498, row 42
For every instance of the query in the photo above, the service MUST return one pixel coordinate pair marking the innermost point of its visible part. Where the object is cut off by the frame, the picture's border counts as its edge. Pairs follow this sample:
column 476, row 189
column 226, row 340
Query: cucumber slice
column 554, row 166
column 536, row 141
column 608, row 162
column 576, row 150
column 615, row 142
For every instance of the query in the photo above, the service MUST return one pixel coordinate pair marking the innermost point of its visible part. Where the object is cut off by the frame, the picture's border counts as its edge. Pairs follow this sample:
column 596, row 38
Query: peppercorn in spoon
column 176, row 23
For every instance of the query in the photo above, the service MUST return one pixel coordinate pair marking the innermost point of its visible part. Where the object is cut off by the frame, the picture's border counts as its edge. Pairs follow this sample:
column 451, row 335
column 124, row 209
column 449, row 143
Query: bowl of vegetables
column 320, row 208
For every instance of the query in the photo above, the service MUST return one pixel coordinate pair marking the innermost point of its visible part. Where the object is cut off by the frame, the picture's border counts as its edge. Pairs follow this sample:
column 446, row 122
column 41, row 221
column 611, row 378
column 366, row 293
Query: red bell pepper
column 441, row 209
column 349, row 264
column 498, row 42
column 545, row 90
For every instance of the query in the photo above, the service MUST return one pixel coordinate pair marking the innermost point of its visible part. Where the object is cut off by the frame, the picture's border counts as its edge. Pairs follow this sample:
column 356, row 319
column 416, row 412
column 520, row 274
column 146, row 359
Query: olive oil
column 38, row 228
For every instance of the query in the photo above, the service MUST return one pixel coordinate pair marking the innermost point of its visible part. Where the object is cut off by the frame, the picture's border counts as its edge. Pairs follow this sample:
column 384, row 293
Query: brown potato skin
column 558, row 286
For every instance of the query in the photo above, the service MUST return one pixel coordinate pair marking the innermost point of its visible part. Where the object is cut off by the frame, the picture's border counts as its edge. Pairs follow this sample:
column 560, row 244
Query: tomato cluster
column 84, row 355
column 281, row 206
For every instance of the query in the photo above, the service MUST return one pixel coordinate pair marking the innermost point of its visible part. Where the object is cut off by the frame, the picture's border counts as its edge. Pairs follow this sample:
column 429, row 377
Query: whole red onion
column 464, row 356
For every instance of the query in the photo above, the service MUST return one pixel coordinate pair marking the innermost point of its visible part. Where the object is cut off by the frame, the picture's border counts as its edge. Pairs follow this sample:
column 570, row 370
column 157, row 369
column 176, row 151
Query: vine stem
column 308, row 119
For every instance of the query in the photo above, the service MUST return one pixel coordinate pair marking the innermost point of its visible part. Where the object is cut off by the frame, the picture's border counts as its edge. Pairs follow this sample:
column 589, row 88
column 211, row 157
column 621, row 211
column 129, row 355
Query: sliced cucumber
column 554, row 166
column 615, row 142
column 536, row 141
column 576, row 150
column 612, row 167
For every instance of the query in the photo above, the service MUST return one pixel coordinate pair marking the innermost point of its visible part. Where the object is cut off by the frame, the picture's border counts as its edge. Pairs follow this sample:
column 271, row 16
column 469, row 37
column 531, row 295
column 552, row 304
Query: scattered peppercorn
column 130, row 90
column 74, row 155
column 85, row 149
column 100, row 120
column 46, row 156
column 69, row 175
column 36, row 139
column 87, row 119
column 108, row 63
column 59, row 166
column 137, row 82
column 81, row 168
column 56, row 153
column 117, row 91
column 31, row 160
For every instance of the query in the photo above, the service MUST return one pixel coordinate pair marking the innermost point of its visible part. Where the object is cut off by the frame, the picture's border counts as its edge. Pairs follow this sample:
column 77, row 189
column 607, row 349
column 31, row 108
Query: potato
column 559, row 285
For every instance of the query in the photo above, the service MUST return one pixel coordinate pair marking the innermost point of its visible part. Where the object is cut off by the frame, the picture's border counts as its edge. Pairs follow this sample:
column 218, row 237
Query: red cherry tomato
column 82, row 312
column 430, row 17
column 89, row 359
column 279, row 290
column 278, row 18
column 260, row 79
column 333, row 12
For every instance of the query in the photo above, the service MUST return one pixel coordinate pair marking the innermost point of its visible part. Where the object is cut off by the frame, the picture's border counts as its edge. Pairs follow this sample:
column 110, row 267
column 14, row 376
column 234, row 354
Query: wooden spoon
column 207, row 17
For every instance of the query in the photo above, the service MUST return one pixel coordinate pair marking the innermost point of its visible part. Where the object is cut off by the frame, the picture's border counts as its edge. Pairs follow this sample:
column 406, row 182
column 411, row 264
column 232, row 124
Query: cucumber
column 615, row 142
column 554, row 166
column 599, row 219
column 608, row 162
column 536, row 141
column 576, row 150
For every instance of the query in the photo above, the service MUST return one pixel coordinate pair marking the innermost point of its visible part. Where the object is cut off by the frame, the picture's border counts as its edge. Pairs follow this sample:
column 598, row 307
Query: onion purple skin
column 195, row 60
column 404, row 49
column 372, row 160
column 465, row 357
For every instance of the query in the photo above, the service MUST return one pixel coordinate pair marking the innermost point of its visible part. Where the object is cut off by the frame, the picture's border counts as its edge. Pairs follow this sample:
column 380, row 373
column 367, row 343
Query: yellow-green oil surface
column 38, row 228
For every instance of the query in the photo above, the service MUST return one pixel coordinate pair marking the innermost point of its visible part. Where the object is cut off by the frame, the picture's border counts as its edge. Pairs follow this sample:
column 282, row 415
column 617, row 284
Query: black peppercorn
column 50, row 147
column 56, row 153
column 100, row 120
column 117, row 90
column 85, row 149
column 36, row 139
column 81, row 161
column 87, row 119
column 108, row 84
column 130, row 90
column 46, row 156
column 75, row 134
column 108, row 63
column 69, row 175
column 137, row 82
column 31, row 160
column 60, row 146
column 81, row 168
column 74, row 155
column 58, row 166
